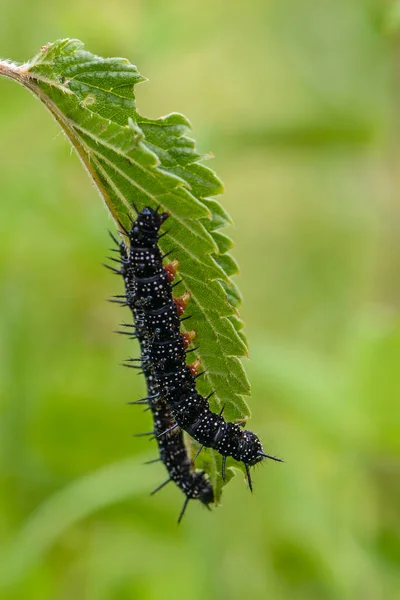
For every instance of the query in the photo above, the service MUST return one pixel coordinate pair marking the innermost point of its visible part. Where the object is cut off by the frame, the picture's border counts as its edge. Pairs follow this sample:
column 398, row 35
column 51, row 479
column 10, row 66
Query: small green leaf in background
column 138, row 161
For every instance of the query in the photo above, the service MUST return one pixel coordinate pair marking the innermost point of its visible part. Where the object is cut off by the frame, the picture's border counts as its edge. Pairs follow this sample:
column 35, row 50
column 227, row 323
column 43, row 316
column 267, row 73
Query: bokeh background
column 299, row 102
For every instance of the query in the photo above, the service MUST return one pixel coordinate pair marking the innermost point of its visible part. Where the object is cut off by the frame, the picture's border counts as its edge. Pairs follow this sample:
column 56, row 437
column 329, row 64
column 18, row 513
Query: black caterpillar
column 171, row 446
column 157, row 317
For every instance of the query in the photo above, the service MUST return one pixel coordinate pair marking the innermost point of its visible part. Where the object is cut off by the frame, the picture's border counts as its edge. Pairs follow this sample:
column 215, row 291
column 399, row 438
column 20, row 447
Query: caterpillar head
column 251, row 450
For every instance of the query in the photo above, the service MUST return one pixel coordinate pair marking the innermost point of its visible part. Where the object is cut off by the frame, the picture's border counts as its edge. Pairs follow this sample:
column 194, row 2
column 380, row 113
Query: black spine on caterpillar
column 157, row 313
column 172, row 450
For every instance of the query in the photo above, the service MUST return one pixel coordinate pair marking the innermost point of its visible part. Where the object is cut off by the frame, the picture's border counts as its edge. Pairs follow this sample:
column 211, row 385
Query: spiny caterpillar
column 172, row 450
column 157, row 317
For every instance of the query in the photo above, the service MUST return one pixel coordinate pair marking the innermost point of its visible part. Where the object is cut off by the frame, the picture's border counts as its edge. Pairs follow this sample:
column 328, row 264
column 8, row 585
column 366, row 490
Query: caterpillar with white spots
column 171, row 446
column 157, row 317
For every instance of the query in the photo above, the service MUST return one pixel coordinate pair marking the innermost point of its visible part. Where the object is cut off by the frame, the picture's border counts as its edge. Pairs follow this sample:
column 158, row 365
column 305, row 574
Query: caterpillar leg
column 182, row 302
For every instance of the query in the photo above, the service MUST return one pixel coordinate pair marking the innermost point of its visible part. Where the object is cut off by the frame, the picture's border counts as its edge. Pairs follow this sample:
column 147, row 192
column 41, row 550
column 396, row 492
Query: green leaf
column 228, row 264
column 138, row 161
column 220, row 217
column 224, row 242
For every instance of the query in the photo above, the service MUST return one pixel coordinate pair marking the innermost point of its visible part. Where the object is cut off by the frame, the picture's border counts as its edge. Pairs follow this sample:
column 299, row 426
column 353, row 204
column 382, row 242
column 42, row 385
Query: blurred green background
column 298, row 99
